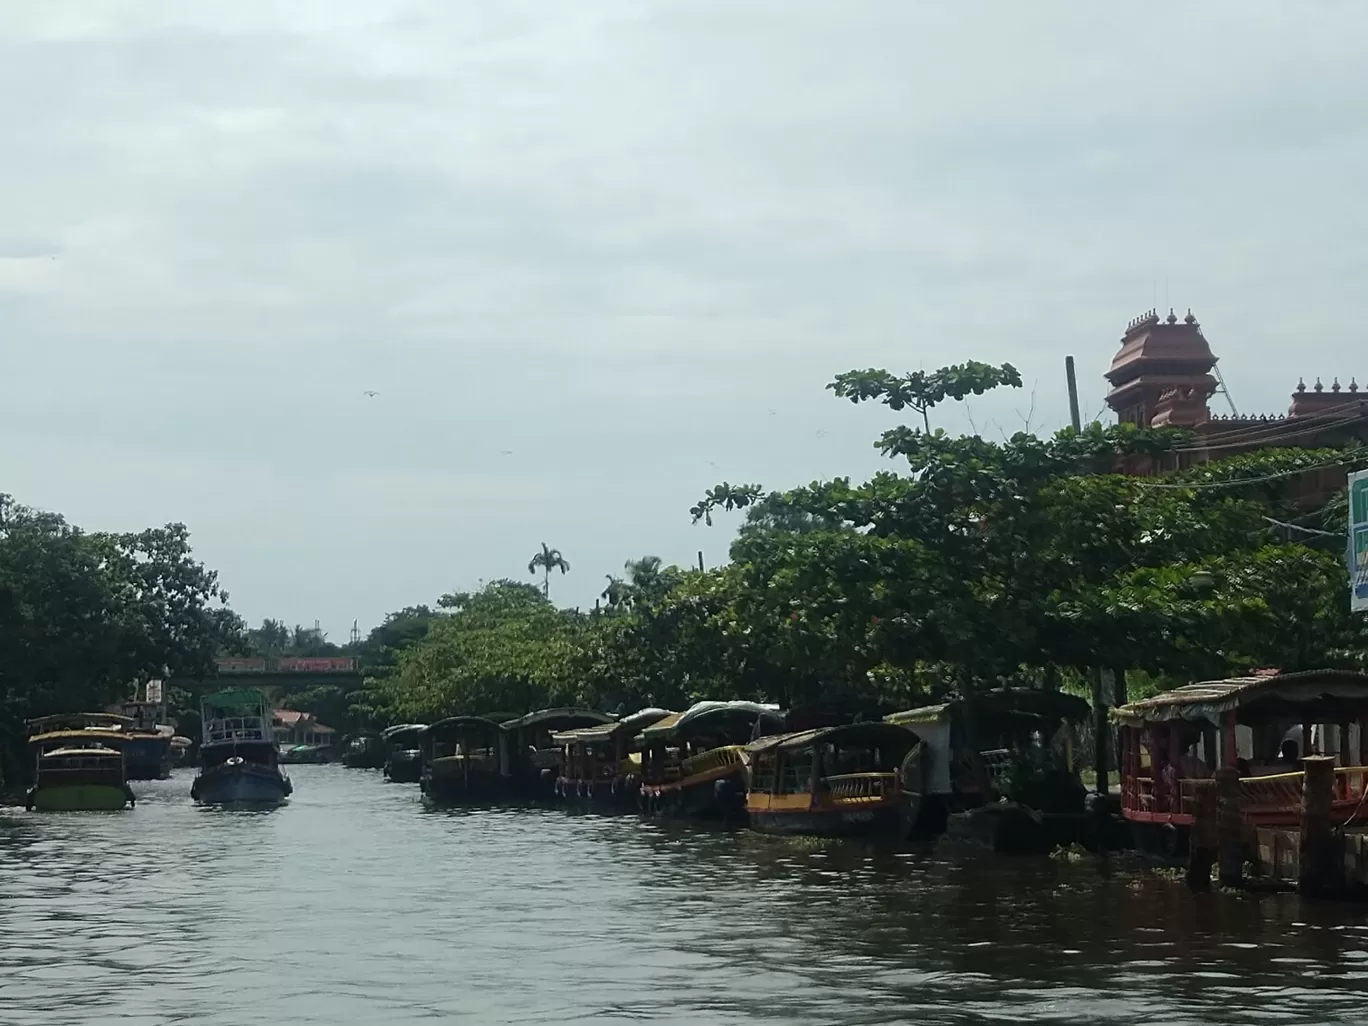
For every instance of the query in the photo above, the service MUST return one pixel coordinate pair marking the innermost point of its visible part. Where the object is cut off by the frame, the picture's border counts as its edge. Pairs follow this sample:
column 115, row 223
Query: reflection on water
column 354, row 905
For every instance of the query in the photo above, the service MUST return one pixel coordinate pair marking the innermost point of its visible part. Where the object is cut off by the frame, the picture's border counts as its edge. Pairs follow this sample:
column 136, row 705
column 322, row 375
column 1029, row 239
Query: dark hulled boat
column 363, row 751
column 463, row 760
column 239, row 761
column 76, row 768
column 404, row 752
column 533, row 756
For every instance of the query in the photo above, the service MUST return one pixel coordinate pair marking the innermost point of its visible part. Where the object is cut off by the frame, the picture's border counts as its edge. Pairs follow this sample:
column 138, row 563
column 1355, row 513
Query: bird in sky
column 370, row 394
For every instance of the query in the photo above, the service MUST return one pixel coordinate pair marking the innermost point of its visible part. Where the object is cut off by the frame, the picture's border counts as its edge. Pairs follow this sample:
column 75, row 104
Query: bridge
column 273, row 677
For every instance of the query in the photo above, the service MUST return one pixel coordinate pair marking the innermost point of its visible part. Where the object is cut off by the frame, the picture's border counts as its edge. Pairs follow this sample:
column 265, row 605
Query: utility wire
column 1304, row 530
column 1203, row 486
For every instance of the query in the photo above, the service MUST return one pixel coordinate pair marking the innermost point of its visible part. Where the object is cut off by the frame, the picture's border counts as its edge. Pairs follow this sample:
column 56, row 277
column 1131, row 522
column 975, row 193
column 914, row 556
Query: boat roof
column 84, row 718
column 1034, row 703
column 248, row 699
column 629, row 725
column 456, row 724
column 871, row 732
column 834, row 712
column 1334, row 693
column 102, row 736
column 703, row 716
column 559, row 719
column 98, row 751
column 403, row 728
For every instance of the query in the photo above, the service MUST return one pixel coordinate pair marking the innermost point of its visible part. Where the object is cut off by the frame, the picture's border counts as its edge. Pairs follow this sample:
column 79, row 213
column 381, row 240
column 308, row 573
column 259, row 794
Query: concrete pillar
column 1317, row 870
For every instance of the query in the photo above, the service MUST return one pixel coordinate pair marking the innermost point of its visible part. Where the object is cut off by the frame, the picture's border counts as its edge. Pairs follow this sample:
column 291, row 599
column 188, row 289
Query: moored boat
column 694, row 763
column 856, row 780
column 463, row 760
column 1261, row 727
column 363, row 751
column 601, row 764
column 979, row 748
column 531, row 756
column 77, row 769
column 404, row 752
column 239, row 761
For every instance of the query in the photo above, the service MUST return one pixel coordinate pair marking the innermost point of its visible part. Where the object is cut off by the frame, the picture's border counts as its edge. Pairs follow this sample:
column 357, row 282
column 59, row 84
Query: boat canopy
column 870, row 734
column 712, row 717
column 92, row 752
column 400, row 729
column 1048, row 708
column 559, row 719
column 456, row 726
column 79, row 720
column 1309, row 696
column 602, row 732
column 103, row 737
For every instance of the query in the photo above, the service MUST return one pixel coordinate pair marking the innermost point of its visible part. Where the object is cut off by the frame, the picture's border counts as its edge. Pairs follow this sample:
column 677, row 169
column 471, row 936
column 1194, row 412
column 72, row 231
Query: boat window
column 796, row 776
column 762, row 775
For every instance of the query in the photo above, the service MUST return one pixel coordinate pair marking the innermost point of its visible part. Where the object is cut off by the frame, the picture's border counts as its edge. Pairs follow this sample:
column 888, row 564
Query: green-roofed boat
column 239, row 760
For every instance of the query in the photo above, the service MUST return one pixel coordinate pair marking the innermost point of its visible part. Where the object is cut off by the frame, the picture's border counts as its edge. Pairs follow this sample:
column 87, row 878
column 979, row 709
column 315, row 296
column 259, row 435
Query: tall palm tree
column 546, row 560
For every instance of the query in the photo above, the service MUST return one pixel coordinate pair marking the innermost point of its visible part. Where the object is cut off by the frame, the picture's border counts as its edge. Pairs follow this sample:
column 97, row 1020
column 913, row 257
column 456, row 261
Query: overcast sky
column 626, row 241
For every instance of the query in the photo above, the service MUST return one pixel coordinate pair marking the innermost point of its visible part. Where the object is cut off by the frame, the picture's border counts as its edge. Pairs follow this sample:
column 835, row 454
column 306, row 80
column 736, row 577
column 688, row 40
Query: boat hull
column 246, row 784
column 720, row 798
column 890, row 822
column 79, row 798
column 147, row 758
column 448, row 782
column 404, row 770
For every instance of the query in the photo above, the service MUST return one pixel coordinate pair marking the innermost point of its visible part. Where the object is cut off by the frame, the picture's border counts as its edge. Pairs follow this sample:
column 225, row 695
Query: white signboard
column 154, row 691
column 1358, row 541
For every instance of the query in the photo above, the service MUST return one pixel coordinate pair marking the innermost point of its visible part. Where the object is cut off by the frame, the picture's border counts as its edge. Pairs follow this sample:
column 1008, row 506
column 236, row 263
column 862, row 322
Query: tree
column 546, row 560
column 920, row 390
column 85, row 616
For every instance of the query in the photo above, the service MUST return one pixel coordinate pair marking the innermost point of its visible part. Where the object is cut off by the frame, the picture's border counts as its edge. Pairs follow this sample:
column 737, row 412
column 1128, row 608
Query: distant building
column 293, row 727
column 1163, row 376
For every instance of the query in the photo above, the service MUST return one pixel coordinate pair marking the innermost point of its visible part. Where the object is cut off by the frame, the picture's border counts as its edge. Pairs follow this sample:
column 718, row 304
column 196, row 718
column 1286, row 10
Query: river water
column 353, row 904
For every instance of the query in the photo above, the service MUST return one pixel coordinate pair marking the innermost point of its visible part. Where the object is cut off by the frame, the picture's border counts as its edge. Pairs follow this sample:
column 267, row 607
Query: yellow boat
column 78, row 771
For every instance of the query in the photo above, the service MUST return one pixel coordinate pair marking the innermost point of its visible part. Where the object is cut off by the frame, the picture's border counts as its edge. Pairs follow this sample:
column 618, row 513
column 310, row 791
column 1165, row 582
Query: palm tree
column 546, row 560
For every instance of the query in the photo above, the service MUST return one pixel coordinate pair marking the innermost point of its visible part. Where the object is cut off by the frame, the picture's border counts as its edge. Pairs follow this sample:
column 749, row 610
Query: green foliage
column 84, row 616
column 922, row 390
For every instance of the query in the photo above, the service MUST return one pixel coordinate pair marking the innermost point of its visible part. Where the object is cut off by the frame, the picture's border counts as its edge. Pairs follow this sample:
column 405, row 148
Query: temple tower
column 1162, row 372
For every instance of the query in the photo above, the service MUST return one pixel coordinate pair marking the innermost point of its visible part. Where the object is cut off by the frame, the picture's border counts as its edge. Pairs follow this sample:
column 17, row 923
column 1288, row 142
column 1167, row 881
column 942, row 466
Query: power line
column 1202, row 486
column 1304, row 530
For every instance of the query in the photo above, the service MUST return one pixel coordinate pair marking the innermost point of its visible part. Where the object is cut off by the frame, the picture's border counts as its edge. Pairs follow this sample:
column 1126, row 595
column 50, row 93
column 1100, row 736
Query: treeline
column 85, row 614
column 1025, row 562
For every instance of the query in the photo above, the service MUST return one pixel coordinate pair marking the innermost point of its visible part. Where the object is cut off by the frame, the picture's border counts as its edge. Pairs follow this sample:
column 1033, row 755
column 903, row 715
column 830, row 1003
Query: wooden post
column 1072, row 382
column 1100, row 732
column 1230, row 749
column 1316, row 872
column 1205, row 839
column 1231, row 830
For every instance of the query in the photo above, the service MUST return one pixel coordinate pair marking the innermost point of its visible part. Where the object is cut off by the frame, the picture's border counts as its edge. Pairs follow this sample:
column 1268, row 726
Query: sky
column 595, row 257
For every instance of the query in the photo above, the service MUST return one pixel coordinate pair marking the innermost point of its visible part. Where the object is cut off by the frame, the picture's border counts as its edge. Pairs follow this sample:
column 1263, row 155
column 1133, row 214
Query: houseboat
column 147, row 752
column 972, row 744
column 1261, row 726
column 75, row 768
column 531, row 756
column 857, row 780
column 404, row 752
column 363, row 751
column 694, row 763
column 602, row 764
column 238, row 758
column 463, row 760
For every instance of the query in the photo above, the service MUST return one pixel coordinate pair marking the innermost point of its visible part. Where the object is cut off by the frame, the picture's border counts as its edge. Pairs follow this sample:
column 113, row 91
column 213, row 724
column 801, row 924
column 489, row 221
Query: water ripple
column 354, row 904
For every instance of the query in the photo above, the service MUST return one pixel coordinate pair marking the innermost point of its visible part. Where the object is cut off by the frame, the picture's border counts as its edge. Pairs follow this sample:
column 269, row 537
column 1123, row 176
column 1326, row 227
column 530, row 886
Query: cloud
column 611, row 236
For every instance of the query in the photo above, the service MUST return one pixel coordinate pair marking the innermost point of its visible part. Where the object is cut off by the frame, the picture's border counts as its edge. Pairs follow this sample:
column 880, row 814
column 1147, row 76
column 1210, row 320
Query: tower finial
column 1301, row 384
column 1319, row 386
column 1172, row 317
column 1335, row 386
column 1189, row 319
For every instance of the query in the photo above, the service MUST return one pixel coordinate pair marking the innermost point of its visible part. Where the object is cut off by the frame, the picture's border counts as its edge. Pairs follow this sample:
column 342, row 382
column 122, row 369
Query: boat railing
column 860, row 785
column 713, row 759
column 244, row 728
column 1281, row 793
